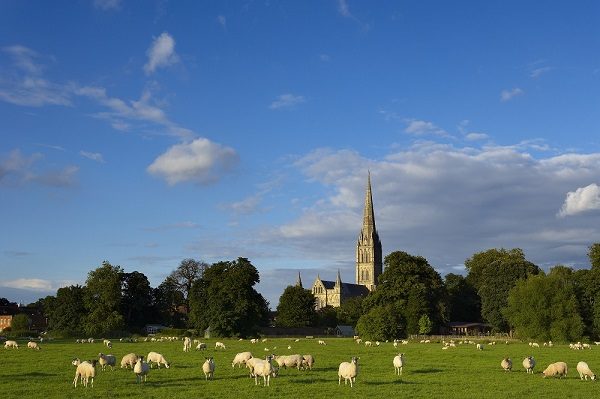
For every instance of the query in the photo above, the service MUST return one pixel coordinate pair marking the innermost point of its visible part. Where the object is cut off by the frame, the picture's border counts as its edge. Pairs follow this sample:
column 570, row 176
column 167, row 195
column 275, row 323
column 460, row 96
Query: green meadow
column 430, row 372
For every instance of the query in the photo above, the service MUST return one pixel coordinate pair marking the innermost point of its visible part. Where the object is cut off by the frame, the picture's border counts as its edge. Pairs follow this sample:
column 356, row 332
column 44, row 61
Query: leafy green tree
column 381, row 322
column 137, row 303
column 167, row 300
column 188, row 271
column 66, row 311
column 425, row 325
column 545, row 308
column 225, row 300
column 103, row 300
column 463, row 302
column 296, row 308
column 413, row 287
column 494, row 273
column 20, row 322
column 594, row 255
column 327, row 317
column 350, row 311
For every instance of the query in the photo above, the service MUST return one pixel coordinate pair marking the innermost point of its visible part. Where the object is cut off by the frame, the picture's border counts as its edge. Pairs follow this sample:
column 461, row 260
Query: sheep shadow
column 395, row 382
column 31, row 374
column 427, row 371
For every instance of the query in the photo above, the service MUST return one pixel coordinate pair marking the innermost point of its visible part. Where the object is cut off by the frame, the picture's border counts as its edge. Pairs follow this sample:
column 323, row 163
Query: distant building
column 368, row 264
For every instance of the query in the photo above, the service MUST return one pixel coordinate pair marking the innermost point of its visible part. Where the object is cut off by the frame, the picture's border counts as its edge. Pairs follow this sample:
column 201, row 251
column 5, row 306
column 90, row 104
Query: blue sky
column 146, row 132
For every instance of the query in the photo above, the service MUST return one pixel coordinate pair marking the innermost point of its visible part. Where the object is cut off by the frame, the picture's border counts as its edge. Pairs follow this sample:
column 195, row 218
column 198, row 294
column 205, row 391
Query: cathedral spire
column 338, row 280
column 299, row 281
column 368, row 248
column 368, row 226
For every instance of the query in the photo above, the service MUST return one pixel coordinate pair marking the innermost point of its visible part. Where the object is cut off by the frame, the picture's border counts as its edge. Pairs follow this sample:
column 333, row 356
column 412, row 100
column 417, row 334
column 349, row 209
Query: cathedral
column 368, row 264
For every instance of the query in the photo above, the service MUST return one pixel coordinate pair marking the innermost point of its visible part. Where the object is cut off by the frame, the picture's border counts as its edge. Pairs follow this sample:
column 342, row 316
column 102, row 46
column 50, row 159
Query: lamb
column 529, row 364
column 33, row 345
column 187, row 344
column 263, row 369
column 129, row 360
column 154, row 357
column 219, row 345
column 584, row 371
column 141, row 370
column 307, row 361
column 209, row 368
column 556, row 369
column 398, row 363
column 200, row 346
column 106, row 360
column 85, row 371
column 506, row 364
column 348, row 372
column 241, row 358
column 11, row 344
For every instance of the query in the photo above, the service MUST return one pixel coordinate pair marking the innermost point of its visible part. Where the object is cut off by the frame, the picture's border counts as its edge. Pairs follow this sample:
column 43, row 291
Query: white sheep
column 529, row 364
column 556, row 369
column 33, row 345
column 506, row 364
column 480, row 347
column 289, row 361
column 250, row 364
column 535, row 345
column 85, row 371
column 187, row 344
column 399, row 363
column 368, row 343
column 584, row 371
column 106, row 360
column 263, row 369
column 155, row 357
column 321, row 342
column 201, row 346
column 307, row 361
column 241, row 358
column 348, row 372
column 141, row 370
column 129, row 360
column 219, row 345
column 11, row 344
column 209, row 368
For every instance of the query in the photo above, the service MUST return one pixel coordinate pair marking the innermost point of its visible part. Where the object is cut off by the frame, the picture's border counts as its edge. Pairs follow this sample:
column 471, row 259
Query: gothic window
column 367, row 275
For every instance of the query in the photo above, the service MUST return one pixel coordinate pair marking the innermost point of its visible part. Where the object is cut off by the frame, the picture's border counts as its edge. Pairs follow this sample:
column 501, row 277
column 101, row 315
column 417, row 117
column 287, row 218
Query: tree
column 463, row 302
column 594, row 255
column 425, row 325
column 413, row 287
column 167, row 299
column 188, row 271
column 545, row 308
column 103, row 300
column 67, row 310
column 136, row 303
column 20, row 322
column 224, row 300
column 494, row 273
column 6, row 302
column 381, row 322
column 327, row 317
column 296, row 308
column 350, row 311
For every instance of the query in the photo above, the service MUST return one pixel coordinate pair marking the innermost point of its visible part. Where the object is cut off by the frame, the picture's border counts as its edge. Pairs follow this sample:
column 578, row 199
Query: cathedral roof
column 348, row 289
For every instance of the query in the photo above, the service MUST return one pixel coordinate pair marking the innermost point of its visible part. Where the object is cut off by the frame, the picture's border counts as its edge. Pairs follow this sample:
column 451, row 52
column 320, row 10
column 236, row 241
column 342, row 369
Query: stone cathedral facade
column 369, row 264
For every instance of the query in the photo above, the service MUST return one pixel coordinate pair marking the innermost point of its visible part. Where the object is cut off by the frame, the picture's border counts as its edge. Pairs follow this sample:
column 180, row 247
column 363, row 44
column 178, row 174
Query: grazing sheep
column 263, row 369
column 33, row 345
column 154, row 357
column 535, row 345
column 11, row 344
column 368, row 343
column 321, row 342
column 289, row 361
column 85, row 371
column 479, row 347
column 307, row 361
column 584, row 371
column 399, row 363
column 250, row 364
column 201, row 346
column 129, row 360
column 187, row 344
column 219, row 345
column 506, row 364
column 241, row 358
column 106, row 360
column 141, row 370
column 556, row 369
column 348, row 372
column 529, row 364
column 208, row 368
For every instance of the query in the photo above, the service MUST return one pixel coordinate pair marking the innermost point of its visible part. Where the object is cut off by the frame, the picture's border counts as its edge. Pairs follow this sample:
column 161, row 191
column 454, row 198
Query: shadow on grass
column 426, row 371
column 396, row 382
column 31, row 374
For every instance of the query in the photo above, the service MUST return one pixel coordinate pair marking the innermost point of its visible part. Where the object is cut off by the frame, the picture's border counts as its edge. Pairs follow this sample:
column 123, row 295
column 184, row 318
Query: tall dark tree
column 327, row 317
column 463, row 302
column 188, row 271
column 594, row 255
column 136, row 304
column 103, row 300
column 167, row 302
column 225, row 300
column 296, row 308
column 413, row 287
column 350, row 311
column 67, row 310
column 20, row 322
column 381, row 322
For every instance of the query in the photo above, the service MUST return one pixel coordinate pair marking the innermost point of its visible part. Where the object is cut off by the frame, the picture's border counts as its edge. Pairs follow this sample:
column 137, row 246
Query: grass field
column 461, row 372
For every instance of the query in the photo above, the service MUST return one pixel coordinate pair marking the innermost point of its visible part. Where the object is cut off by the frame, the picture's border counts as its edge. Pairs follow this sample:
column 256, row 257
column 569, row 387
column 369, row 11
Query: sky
column 146, row 132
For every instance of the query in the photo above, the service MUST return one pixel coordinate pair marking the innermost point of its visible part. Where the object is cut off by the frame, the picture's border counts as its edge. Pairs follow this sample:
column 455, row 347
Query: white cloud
column 421, row 128
column 200, row 161
column 325, row 57
column 581, row 200
column 174, row 226
column 246, row 206
column 507, row 95
column 35, row 284
column 222, row 21
column 286, row 101
column 161, row 54
column 343, row 9
column 537, row 72
column 94, row 156
column 17, row 169
column 476, row 136
column 106, row 5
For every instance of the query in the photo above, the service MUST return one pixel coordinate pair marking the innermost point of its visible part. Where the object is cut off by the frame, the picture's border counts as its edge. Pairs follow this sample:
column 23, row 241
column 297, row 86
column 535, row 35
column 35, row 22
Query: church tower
column 368, row 248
